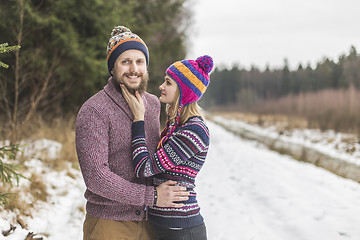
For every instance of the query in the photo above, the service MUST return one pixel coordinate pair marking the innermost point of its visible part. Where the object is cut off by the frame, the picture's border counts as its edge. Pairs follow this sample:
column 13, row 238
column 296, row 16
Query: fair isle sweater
column 180, row 160
column 103, row 144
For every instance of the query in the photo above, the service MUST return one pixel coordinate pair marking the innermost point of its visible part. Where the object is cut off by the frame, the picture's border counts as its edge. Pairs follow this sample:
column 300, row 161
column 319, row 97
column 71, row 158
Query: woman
column 182, row 149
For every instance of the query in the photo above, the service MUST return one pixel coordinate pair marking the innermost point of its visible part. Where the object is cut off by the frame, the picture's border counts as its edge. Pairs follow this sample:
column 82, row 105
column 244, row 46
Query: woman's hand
column 135, row 103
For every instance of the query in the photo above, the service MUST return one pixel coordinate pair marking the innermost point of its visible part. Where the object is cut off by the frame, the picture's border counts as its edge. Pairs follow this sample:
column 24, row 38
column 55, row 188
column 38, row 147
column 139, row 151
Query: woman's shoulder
column 195, row 123
column 195, row 130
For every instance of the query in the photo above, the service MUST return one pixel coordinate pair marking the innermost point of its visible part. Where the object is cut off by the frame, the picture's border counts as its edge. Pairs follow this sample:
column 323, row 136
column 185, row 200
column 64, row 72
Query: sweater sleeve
column 92, row 149
column 185, row 143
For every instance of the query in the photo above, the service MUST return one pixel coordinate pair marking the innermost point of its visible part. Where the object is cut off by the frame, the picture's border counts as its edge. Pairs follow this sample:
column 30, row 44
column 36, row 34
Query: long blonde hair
column 177, row 116
column 190, row 110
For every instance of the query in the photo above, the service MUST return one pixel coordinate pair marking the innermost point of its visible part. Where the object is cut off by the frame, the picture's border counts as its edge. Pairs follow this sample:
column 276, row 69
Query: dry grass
column 35, row 190
column 60, row 130
column 328, row 109
column 281, row 122
column 26, row 196
column 19, row 205
column 336, row 109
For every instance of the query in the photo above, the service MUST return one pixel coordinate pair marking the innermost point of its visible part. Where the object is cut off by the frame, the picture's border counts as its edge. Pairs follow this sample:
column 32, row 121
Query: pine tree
column 8, row 171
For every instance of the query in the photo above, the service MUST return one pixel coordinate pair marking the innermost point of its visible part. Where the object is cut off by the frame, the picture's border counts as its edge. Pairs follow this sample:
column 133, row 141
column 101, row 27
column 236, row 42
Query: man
column 116, row 199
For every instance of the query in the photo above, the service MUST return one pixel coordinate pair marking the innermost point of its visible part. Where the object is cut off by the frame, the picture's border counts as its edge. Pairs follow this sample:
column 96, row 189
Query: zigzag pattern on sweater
column 180, row 159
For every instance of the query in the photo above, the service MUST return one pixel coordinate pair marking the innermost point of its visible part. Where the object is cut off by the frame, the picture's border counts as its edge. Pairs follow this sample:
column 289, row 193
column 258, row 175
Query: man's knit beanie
column 123, row 39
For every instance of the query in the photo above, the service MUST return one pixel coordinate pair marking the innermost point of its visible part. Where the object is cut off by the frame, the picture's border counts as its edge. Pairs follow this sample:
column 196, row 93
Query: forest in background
column 62, row 60
column 327, row 96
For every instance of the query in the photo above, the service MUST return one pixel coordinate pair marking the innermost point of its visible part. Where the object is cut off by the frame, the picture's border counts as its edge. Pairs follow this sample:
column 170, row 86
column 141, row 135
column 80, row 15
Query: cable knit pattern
column 103, row 144
column 180, row 160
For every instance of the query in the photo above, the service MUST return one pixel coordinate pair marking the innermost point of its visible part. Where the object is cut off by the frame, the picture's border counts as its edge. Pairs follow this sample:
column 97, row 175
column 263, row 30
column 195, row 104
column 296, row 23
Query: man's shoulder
column 151, row 98
column 96, row 101
column 148, row 95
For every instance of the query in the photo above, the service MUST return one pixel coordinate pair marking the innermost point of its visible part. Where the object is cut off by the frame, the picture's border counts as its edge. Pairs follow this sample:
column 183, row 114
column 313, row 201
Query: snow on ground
column 246, row 193
column 249, row 192
column 340, row 145
column 62, row 215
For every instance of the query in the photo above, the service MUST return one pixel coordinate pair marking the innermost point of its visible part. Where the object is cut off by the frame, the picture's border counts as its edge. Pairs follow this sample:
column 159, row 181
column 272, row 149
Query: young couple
column 131, row 173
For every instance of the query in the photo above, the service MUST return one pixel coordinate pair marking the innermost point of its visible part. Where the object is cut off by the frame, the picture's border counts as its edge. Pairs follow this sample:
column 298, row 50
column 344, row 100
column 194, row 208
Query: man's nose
column 133, row 67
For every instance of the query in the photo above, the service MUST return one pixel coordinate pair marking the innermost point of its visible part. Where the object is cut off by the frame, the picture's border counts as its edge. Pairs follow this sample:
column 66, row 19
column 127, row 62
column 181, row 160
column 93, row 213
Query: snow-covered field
column 248, row 192
column 245, row 191
column 336, row 144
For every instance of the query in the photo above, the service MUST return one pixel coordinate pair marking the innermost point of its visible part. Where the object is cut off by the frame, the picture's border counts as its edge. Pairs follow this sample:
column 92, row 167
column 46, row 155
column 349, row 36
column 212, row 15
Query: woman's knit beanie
column 123, row 39
column 192, row 77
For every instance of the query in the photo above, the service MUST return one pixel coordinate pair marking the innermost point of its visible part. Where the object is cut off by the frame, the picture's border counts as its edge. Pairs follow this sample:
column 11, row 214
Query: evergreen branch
column 5, row 48
column 3, row 45
column 8, row 171
column 3, row 65
column 10, row 151
column 5, row 198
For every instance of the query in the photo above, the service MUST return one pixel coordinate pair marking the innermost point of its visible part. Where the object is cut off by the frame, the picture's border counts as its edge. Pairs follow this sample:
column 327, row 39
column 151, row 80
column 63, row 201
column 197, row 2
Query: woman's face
column 168, row 90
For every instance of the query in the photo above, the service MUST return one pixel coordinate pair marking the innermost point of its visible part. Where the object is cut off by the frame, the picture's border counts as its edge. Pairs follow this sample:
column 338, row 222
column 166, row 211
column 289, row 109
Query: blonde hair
column 188, row 111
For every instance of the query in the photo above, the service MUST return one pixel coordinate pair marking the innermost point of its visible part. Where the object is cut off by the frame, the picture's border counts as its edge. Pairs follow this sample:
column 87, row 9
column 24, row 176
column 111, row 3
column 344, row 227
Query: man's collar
column 113, row 90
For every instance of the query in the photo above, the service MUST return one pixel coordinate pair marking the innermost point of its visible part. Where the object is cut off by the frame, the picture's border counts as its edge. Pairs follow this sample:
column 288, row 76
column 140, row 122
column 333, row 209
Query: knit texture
column 180, row 160
column 192, row 77
column 103, row 144
column 123, row 39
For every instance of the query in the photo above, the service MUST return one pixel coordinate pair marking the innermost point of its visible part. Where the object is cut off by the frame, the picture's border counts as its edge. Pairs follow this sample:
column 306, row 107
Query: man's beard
column 142, row 85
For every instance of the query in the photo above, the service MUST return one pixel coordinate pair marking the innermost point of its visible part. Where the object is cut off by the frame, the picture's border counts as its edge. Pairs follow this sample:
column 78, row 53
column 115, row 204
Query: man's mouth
column 132, row 76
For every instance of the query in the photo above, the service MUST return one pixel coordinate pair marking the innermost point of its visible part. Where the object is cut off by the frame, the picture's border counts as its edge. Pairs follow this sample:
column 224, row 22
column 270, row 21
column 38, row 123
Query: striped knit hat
column 123, row 39
column 192, row 77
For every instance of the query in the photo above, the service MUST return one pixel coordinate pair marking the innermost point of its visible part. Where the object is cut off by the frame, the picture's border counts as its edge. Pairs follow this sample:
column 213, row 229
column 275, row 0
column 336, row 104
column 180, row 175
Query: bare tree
column 22, row 94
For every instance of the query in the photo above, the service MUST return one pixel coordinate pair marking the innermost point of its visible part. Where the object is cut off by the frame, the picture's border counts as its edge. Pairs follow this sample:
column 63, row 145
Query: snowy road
column 248, row 192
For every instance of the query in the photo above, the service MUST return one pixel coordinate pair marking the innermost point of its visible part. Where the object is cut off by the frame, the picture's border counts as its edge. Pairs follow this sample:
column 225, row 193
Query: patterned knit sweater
column 180, row 160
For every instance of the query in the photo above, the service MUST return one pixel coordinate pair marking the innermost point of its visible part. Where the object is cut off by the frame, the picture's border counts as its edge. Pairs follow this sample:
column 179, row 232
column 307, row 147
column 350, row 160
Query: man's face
column 130, row 70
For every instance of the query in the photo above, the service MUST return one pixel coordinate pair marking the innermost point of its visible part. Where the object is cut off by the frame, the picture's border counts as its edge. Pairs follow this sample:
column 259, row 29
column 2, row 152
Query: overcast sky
column 261, row 32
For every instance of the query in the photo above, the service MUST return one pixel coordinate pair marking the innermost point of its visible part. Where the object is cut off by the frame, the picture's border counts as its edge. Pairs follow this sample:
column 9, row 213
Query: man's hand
column 168, row 193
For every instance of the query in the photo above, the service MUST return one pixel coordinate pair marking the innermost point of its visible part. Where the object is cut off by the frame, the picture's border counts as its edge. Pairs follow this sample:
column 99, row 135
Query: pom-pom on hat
column 192, row 77
column 123, row 39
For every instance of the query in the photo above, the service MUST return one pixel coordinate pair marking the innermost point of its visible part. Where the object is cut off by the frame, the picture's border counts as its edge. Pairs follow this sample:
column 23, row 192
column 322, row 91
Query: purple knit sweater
column 103, row 145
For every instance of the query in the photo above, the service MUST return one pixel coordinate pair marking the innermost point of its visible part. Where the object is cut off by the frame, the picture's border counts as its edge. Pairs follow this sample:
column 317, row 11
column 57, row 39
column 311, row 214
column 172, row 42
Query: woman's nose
column 161, row 87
